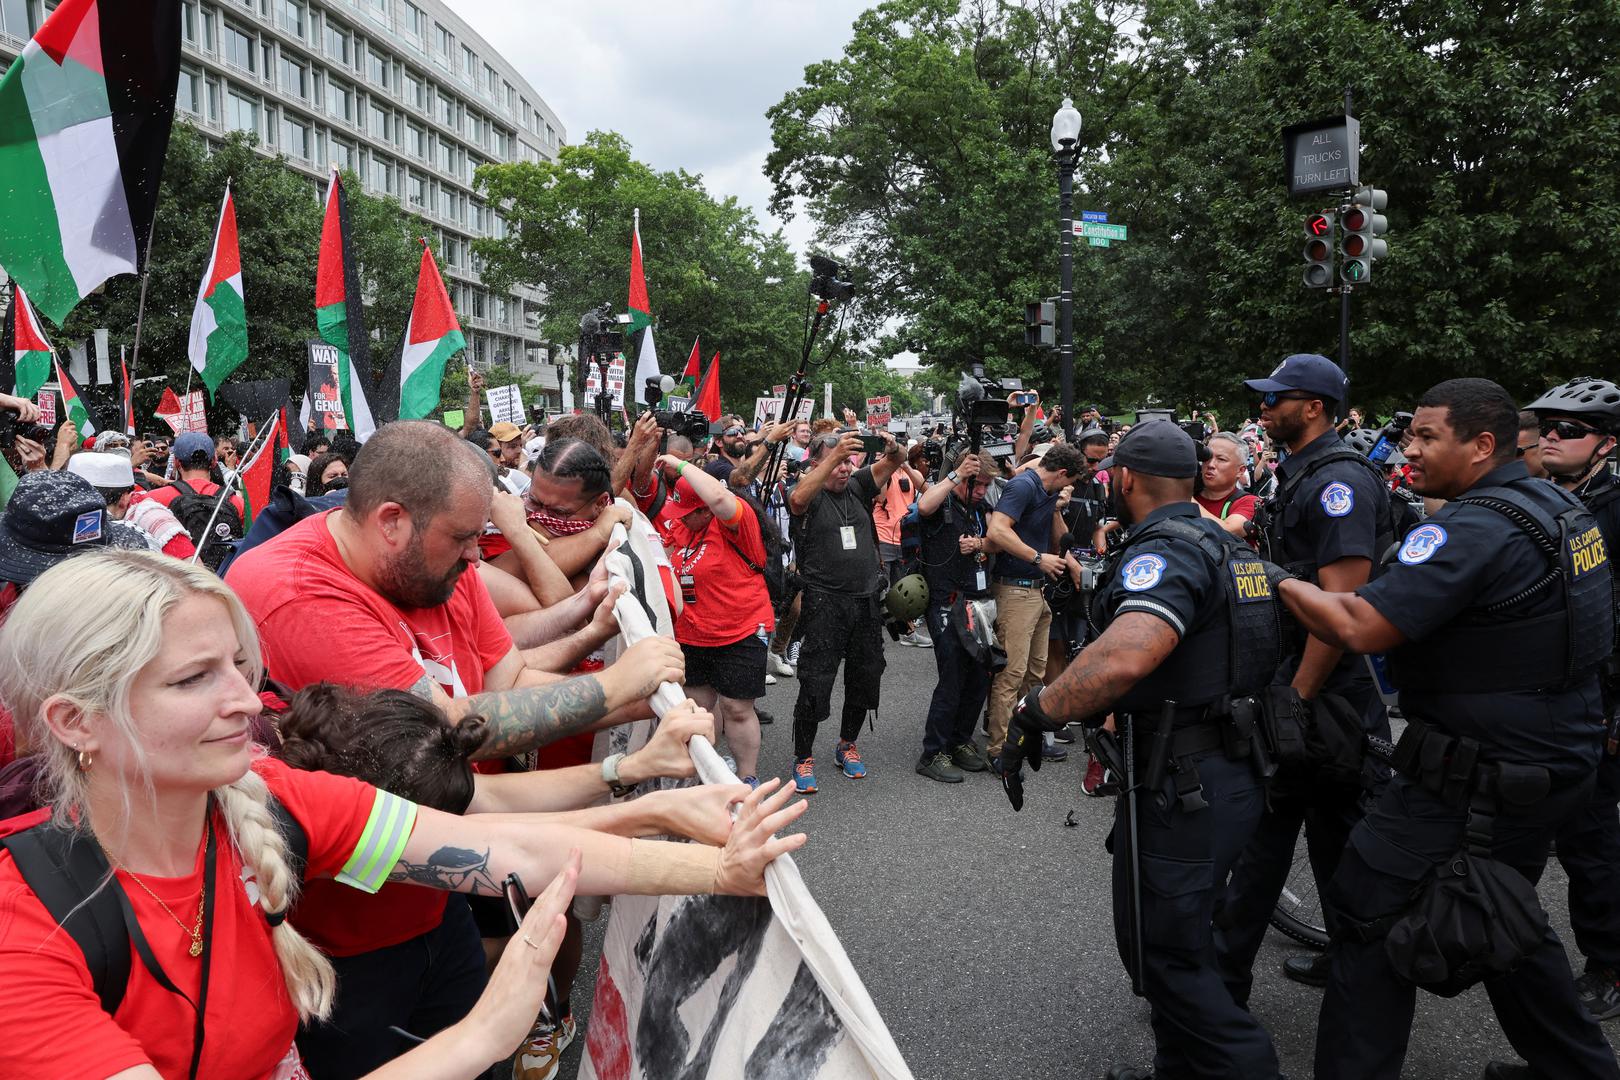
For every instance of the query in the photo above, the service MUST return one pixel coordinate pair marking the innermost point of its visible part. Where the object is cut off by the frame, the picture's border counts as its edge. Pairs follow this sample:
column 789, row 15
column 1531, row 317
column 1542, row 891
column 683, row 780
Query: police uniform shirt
column 944, row 566
column 834, row 541
column 1173, row 581
column 1460, row 560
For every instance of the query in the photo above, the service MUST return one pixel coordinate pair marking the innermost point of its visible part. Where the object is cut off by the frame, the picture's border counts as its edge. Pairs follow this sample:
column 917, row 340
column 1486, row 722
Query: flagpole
column 140, row 307
column 251, row 458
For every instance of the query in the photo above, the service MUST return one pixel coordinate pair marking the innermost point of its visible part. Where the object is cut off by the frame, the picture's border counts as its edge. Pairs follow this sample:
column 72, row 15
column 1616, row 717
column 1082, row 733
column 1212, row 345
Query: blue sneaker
column 752, row 782
column 804, row 775
column 848, row 758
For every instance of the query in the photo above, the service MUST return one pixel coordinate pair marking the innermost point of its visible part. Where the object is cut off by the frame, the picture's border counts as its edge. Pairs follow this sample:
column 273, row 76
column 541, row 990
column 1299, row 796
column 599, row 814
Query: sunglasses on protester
column 1270, row 400
column 1567, row 429
column 732, row 432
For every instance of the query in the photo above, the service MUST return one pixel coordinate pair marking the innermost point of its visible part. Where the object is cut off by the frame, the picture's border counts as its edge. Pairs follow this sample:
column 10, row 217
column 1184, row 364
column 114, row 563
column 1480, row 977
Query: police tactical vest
column 1499, row 647
column 1282, row 514
column 1207, row 668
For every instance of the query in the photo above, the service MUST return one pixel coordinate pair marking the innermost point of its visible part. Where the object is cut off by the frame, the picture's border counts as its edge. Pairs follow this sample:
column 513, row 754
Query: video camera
column 599, row 334
column 12, row 426
column 982, row 402
column 825, row 281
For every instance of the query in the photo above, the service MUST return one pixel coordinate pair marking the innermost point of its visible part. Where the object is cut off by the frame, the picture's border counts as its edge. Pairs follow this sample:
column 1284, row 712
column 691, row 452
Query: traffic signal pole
column 1344, row 301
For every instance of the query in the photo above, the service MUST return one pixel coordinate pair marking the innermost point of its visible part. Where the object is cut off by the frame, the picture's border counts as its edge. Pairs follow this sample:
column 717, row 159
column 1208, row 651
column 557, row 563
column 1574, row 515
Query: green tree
column 278, row 217
column 712, row 272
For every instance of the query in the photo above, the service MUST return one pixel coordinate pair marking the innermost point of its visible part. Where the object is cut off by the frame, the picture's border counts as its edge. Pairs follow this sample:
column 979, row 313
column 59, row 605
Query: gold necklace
column 195, row 933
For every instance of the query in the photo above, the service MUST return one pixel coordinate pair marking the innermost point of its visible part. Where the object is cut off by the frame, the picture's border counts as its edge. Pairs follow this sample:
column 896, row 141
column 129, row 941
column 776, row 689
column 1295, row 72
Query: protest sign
column 47, row 408
column 766, row 411
column 877, row 412
column 324, row 394
column 615, row 383
column 454, row 418
column 779, row 390
column 183, row 412
column 505, row 404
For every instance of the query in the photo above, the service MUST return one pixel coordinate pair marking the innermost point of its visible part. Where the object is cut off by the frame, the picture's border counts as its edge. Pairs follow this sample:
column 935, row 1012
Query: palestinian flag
column 129, row 396
column 686, row 386
column 219, row 321
column 73, row 406
column 640, row 308
column 30, row 352
column 707, row 399
column 432, row 337
column 340, row 315
column 85, row 113
column 259, row 470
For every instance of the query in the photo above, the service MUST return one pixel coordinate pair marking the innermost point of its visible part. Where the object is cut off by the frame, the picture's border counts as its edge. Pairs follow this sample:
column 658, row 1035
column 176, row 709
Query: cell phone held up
column 873, row 444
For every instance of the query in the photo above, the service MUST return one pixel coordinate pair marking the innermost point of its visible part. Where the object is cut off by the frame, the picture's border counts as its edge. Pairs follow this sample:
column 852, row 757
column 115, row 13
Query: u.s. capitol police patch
column 1142, row 573
column 1338, row 499
column 1421, row 544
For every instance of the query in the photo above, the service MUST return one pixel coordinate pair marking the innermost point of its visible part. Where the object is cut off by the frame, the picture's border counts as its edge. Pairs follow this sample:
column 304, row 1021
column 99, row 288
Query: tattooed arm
column 1130, row 649
column 474, row 854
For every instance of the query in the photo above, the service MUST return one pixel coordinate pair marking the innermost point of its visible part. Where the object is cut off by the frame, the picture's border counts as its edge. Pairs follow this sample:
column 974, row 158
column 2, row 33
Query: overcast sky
column 687, row 83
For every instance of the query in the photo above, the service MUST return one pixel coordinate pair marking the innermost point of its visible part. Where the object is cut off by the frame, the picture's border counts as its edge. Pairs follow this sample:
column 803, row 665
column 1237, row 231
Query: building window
column 342, row 155
column 447, row 112
column 379, row 121
column 340, row 101
column 212, row 90
column 415, row 25
column 382, row 175
column 416, row 141
column 491, row 80
column 413, row 91
column 292, row 17
column 551, row 136
column 447, row 203
column 241, row 113
column 472, row 164
column 188, row 18
column 379, row 9
column 442, row 44
column 480, row 306
column 239, row 49
column 417, row 188
column 447, row 158
column 377, row 68
column 188, row 92
column 338, row 43
column 294, row 79
column 469, row 64
column 294, row 138
column 511, row 99
column 475, row 125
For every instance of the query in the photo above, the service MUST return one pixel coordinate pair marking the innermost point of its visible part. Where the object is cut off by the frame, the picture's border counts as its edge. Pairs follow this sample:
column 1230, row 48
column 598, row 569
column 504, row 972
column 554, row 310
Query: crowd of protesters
column 404, row 659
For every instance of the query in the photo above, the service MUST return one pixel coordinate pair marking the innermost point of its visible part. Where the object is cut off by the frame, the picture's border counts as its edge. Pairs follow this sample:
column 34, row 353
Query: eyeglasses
column 1567, row 429
column 1270, row 400
column 732, row 432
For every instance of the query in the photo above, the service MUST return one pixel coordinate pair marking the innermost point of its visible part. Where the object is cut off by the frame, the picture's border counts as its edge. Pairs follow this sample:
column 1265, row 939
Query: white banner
column 766, row 410
column 505, row 404
column 720, row 987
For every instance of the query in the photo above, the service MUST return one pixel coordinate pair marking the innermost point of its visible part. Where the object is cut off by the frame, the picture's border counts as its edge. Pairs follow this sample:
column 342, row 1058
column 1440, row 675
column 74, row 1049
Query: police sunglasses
column 1567, row 429
column 1271, row 399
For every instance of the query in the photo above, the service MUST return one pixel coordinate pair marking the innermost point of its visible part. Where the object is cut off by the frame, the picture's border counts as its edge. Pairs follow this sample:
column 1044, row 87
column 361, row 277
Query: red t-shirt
column 52, row 1024
column 319, row 623
column 1236, row 503
column 168, row 493
column 728, row 601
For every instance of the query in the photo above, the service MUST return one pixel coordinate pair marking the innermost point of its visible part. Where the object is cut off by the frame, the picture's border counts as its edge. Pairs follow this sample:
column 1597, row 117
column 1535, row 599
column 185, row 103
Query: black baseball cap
column 1310, row 372
column 1157, row 448
column 52, row 516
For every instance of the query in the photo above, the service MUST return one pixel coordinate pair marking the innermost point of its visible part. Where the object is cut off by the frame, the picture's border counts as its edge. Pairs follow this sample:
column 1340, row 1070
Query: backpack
column 771, row 539
column 194, row 510
column 69, row 874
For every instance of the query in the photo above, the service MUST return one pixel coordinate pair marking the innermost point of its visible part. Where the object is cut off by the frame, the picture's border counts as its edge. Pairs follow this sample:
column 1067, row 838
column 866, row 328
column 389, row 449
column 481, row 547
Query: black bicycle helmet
column 1596, row 399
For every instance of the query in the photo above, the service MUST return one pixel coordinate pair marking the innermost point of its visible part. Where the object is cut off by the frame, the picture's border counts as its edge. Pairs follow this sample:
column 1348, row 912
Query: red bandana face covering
column 557, row 526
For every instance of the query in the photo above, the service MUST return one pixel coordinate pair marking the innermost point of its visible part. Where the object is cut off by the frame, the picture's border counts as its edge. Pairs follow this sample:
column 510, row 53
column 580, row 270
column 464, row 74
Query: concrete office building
column 402, row 92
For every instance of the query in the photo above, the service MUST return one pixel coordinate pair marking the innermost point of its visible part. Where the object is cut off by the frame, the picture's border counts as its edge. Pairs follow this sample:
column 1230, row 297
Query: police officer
column 1481, row 701
column 1329, row 523
column 1579, row 422
column 1179, row 593
column 956, row 562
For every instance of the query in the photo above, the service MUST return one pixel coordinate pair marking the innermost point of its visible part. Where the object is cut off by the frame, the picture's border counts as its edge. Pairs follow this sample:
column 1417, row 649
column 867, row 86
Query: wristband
column 680, row 468
column 610, row 774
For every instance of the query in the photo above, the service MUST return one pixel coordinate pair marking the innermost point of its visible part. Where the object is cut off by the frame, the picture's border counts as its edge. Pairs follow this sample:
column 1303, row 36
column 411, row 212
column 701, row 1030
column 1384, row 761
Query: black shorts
column 736, row 671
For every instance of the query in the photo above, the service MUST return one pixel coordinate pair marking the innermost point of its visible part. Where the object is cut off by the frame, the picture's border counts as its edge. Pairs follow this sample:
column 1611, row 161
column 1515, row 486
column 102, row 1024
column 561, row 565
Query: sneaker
column 917, row 639
column 848, row 758
column 764, row 717
column 793, row 653
column 770, row 680
column 1600, row 993
column 541, row 1053
column 1054, row 752
column 752, row 782
column 776, row 665
column 969, row 758
column 1310, row 970
column 1063, row 735
column 804, row 775
column 939, row 768
column 1096, row 776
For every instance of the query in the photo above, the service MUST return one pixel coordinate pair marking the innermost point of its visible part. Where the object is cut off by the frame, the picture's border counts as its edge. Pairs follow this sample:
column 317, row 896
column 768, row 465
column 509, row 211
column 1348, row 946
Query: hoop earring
column 85, row 761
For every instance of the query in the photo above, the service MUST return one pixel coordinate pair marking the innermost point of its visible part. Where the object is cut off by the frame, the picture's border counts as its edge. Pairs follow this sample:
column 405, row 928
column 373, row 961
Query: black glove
column 1275, row 576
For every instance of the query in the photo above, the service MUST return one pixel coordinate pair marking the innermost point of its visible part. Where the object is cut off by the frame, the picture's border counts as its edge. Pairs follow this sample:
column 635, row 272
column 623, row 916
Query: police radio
column 1389, row 438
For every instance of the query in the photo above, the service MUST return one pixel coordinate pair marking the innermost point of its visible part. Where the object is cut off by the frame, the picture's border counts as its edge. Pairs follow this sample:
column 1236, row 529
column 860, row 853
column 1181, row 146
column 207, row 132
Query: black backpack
column 771, row 538
column 194, row 510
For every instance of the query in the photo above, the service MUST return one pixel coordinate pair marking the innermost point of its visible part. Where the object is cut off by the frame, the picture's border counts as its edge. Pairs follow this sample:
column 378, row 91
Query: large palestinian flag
column 432, row 337
column 85, row 113
column 30, row 352
column 219, row 321
column 640, row 307
column 340, row 316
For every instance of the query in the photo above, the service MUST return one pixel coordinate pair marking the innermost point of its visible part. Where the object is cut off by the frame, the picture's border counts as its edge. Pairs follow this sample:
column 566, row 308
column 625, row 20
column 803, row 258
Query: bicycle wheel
column 1298, row 913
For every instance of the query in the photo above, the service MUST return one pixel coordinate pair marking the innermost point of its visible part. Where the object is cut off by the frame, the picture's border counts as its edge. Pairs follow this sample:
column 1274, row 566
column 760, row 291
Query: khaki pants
column 1022, row 624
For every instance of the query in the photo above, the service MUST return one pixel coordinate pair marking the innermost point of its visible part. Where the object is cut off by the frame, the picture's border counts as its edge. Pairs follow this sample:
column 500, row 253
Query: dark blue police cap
column 1310, row 372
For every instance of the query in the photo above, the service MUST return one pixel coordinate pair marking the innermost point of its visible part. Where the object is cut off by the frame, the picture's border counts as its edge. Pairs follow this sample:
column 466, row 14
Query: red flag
column 129, row 397
column 707, row 400
column 258, row 472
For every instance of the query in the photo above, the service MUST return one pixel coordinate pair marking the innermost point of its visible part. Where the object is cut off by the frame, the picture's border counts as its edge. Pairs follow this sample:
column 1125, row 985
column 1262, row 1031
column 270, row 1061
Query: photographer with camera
column 956, row 563
column 841, row 616
column 1025, row 529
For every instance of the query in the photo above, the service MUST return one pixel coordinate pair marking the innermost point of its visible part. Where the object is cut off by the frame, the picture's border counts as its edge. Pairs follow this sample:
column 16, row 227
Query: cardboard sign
column 454, row 418
column 47, row 408
column 877, row 412
column 505, row 404
column 187, row 413
column 766, row 411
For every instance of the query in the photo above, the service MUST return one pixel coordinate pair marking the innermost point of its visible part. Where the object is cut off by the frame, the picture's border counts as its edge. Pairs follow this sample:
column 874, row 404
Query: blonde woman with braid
column 142, row 719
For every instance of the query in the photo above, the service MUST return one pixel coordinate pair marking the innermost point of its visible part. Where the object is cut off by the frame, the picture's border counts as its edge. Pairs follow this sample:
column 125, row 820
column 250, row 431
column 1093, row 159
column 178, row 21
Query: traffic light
column 1318, row 251
column 1360, row 243
column 1038, row 319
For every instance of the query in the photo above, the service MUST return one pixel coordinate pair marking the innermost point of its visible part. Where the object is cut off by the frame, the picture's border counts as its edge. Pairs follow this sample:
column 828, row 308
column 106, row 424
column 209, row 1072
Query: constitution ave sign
column 1322, row 155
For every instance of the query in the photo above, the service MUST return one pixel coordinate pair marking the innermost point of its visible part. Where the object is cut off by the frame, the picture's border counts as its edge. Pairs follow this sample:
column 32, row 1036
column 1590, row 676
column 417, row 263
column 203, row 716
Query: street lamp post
column 1065, row 148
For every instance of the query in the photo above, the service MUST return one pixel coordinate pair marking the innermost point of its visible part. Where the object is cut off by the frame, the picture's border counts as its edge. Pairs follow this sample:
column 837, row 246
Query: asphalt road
column 985, row 937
